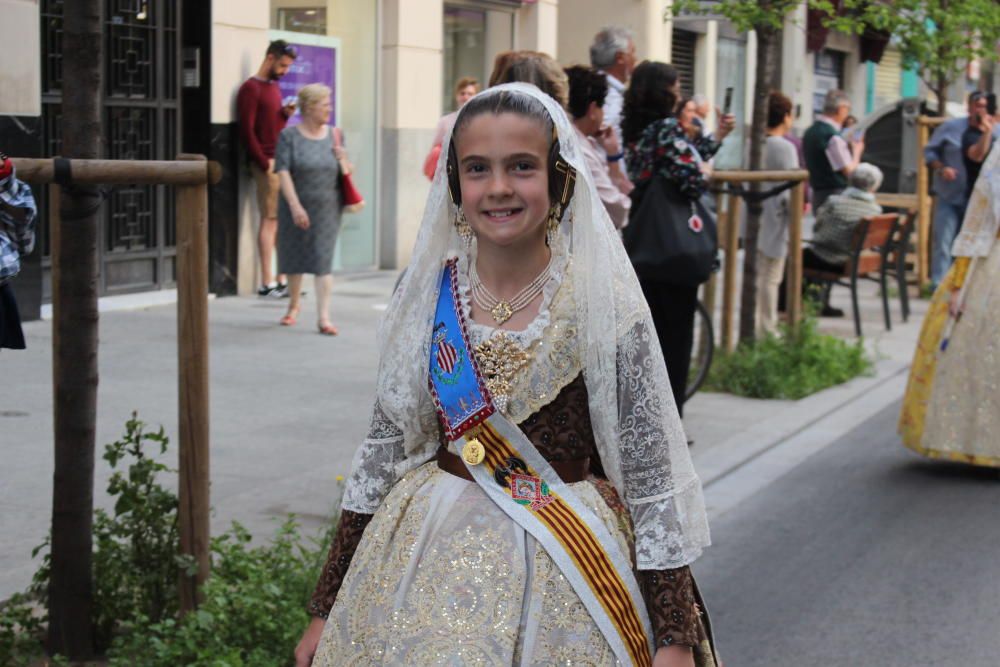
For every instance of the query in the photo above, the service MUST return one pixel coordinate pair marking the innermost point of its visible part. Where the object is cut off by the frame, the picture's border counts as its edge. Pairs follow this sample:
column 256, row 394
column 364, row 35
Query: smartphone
column 727, row 105
column 991, row 104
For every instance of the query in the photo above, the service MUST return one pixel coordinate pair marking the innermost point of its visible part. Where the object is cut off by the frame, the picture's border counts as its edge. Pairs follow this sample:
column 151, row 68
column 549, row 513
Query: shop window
column 310, row 20
column 731, row 67
column 473, row 36
column 348, row 29
column 828, row 74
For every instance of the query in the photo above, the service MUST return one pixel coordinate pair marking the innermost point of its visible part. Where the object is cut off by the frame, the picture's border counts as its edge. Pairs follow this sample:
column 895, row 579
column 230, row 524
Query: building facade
column 173, row 67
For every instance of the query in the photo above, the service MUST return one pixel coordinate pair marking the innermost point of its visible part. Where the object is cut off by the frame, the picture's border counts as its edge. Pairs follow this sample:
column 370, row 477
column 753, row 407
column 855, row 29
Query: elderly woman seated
column 836, row 221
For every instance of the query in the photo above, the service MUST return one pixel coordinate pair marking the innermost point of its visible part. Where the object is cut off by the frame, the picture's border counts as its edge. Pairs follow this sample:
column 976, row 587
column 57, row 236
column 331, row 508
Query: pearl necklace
column 501, row 309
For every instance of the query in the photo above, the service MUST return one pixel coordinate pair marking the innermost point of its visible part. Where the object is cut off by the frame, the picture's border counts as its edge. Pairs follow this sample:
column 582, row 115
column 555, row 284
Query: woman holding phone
column 661, row 142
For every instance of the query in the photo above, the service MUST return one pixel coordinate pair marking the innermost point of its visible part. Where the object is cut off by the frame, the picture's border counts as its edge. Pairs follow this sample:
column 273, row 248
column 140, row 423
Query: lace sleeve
column 661, row 490
column 374, row 468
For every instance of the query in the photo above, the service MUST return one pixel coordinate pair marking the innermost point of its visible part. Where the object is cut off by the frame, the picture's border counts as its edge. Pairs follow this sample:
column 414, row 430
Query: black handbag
column 670, row 238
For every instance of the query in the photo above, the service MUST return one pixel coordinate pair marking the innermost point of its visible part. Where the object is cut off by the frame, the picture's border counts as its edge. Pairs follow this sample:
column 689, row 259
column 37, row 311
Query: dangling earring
column 552, row 224
column 462, row 227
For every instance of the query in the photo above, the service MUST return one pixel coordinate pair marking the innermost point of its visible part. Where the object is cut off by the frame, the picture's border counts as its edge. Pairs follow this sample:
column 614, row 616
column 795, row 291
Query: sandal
column 327, row 329
column 290, row 318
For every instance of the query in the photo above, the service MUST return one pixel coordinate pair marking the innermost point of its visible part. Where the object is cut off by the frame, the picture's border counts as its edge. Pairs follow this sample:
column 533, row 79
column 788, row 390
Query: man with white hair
column 702, row 106
column 829, row 158
column 613, row 54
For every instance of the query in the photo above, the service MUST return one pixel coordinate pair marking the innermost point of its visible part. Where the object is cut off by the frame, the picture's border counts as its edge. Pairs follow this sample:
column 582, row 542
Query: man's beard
column 273, row 75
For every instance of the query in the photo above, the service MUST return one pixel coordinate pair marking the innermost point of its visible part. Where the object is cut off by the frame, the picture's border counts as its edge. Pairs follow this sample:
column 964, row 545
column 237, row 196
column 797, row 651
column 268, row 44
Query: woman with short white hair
column 309, row 162
column 836, row 221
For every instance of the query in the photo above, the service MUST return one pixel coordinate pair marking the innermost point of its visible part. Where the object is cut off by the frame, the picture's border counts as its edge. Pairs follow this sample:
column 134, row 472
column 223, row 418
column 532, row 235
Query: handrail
column 728, row 206
column 191, row 174
column 733, row 176
column 116, row 172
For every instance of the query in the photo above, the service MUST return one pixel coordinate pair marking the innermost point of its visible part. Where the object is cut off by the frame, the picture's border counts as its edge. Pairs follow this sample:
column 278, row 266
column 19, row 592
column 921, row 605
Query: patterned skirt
column 952, row 405
column 443, row 577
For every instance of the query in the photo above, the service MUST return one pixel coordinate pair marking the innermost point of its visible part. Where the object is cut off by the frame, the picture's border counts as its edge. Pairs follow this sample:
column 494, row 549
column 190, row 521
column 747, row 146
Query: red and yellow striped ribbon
column 583, row 547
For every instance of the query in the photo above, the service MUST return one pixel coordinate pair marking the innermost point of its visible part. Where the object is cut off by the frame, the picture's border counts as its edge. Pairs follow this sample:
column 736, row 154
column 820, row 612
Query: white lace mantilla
column 594, row 320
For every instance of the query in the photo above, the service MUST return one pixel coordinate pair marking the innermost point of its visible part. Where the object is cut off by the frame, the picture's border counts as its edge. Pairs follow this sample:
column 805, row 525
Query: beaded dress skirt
column 952, row 405
column 443, row 577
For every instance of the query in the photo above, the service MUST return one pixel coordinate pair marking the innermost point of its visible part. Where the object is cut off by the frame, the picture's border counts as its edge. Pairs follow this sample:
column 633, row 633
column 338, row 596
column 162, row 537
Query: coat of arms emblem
column 446, row 357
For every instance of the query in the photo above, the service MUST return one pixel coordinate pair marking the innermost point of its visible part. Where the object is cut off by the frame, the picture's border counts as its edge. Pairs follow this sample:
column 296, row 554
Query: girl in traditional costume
column 952, row 405
column 525, row 494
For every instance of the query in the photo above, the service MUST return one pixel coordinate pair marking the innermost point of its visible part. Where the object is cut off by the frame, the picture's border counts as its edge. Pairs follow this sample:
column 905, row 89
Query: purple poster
column 314, row 64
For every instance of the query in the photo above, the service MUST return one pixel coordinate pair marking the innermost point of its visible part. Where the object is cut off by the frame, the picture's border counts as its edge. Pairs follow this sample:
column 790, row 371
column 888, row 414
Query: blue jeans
column 947, row 222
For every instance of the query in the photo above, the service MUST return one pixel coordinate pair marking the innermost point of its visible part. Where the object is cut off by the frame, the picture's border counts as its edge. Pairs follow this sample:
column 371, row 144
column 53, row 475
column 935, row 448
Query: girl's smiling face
column 503, row 174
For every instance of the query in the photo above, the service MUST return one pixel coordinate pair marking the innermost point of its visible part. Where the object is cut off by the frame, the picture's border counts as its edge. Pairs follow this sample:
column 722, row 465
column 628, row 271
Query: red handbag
column 350, row 197
column 430, row 162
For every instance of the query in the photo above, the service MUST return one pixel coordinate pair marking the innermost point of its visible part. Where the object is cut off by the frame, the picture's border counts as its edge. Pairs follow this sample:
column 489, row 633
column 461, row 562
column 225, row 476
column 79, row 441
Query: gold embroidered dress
column 441, row 575
column 426, row 568
column 952, row 405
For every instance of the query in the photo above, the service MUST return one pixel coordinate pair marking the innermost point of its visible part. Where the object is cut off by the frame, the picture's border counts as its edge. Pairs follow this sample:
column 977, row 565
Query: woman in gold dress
column 431, row 564
column 952, row 406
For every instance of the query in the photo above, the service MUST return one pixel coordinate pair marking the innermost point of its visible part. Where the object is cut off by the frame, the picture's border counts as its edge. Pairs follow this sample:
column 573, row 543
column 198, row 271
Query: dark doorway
column 141, row 121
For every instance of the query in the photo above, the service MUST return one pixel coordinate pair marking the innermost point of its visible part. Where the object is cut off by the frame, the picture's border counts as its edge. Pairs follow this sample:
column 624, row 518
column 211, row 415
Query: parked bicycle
column 702, row 351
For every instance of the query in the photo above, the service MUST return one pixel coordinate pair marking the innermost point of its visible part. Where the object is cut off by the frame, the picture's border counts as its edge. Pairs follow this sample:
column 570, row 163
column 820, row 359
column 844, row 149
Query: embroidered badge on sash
column 524, row 488
column 530, row 491
column 449, row 362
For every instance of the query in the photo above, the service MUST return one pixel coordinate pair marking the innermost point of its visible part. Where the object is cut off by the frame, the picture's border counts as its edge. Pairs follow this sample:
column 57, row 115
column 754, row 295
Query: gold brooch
column 500, row 358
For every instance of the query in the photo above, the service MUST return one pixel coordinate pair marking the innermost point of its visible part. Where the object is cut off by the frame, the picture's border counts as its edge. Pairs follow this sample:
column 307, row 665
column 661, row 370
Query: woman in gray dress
column 308, row 163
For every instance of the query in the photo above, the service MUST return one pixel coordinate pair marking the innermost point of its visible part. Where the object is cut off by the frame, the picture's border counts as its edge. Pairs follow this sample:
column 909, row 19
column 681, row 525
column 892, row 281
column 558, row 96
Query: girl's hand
column 306, row 649
column 300, row 217
column 672, row 656
column 954, row 307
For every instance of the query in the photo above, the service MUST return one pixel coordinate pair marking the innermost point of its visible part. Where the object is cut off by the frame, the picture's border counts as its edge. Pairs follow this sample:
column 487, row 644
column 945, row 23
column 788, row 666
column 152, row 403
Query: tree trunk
column 75, row 342
column 943, row 76
column 941, row 91
column 765, row 74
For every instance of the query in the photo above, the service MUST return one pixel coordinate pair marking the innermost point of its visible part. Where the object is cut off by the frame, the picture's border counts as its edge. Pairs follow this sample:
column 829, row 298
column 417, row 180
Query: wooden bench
column 875, row 239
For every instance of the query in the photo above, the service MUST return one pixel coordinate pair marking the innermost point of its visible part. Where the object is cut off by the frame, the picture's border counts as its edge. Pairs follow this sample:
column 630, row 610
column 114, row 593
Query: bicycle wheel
column 701, row 351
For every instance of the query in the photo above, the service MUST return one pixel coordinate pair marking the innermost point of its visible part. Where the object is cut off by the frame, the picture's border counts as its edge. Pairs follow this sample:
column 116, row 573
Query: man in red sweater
column 262, row 117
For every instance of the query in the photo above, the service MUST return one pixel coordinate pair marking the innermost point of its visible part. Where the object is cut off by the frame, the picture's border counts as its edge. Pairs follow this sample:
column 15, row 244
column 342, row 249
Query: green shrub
column 792, row 367
column 252, row 613
column 136, row 561
column 135, row 558
column 22, row 629
column 253, row 608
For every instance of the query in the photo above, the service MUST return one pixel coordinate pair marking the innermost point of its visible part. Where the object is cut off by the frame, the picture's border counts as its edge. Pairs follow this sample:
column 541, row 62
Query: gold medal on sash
column 473, row 452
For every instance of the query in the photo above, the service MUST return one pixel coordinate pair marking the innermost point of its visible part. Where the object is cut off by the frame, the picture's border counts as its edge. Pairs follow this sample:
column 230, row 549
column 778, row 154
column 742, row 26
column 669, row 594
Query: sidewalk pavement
column 289, row 407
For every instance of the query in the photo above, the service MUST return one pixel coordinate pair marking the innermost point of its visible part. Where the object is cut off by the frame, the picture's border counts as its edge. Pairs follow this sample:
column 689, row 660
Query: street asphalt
column 864, row 554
